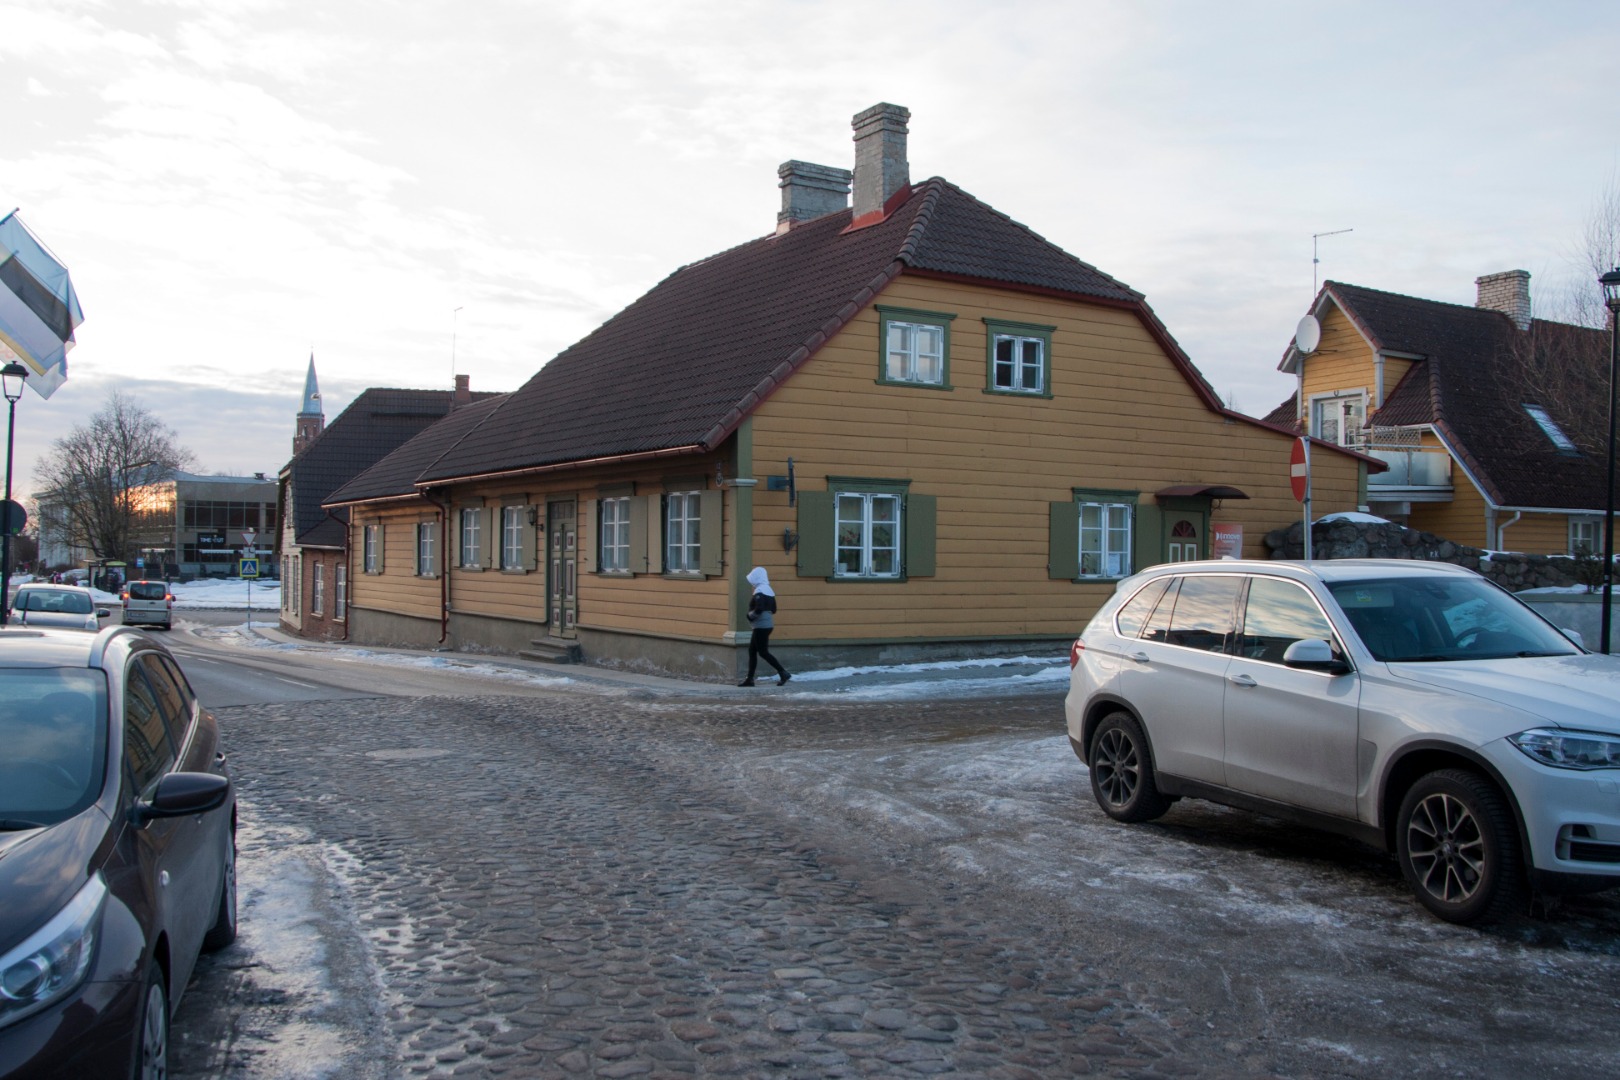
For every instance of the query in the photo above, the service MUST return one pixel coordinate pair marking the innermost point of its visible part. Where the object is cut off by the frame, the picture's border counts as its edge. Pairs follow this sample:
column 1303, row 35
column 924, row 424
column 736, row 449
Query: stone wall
column 1386, row 540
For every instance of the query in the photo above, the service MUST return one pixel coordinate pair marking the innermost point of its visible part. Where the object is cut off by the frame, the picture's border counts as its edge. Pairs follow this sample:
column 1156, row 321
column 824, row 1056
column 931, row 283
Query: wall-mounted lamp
column 534, row 516
column 790, row 539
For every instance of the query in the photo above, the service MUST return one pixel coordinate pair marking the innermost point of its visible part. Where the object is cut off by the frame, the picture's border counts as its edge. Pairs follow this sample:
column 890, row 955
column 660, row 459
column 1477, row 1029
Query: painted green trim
column 865, row 484
column 681, row 484
column 943, row 319
column 1361, row 485
column 1119, row 495
column 1008, row 328
column 742, row 524
column 614, row 491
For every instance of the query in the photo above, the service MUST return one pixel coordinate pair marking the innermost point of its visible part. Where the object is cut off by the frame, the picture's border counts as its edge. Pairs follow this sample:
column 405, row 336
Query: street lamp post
column 1611, row 297
column 11, row 382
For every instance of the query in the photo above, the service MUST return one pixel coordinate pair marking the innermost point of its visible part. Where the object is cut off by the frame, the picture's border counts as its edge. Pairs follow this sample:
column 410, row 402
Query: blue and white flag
column 38, row 307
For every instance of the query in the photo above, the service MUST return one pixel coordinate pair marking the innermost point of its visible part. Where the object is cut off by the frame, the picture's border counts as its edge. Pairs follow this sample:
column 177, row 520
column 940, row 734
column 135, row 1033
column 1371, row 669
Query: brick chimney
column 810, row 191
column 463, row 393
column 1507, row 292
column 880, row 157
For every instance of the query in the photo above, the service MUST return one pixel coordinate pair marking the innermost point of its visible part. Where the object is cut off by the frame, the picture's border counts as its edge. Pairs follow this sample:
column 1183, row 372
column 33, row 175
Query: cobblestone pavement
column 583, row 886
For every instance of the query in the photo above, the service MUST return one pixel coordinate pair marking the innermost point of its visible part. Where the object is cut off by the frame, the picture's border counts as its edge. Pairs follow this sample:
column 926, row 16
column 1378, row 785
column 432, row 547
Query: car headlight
column 47, row 966
column 1570, row 749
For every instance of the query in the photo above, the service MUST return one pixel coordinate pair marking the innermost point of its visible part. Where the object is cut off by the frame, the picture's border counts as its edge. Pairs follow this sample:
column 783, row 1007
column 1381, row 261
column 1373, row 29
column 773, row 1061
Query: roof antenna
column 1315, row 286
column 455, row 318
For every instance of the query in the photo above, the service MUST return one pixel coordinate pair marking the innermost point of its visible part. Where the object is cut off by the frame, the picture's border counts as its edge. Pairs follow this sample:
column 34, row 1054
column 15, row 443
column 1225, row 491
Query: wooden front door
column 562, row 573
column 1184, row 546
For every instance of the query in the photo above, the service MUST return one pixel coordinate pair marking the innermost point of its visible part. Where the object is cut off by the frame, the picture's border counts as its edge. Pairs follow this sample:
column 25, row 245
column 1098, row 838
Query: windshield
column 71, row 603
column 1445, row 618
column 53, row 727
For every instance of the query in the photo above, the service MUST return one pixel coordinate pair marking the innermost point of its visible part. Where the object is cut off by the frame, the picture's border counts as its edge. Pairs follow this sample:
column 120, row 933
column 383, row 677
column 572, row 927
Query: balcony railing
column 1412, row 469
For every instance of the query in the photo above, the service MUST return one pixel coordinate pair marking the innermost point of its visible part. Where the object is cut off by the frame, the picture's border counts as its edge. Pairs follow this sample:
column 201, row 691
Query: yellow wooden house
column 941, row 434
column 1482, row 414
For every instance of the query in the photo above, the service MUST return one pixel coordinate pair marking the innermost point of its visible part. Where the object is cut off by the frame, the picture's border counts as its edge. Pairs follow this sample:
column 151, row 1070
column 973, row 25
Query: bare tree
column 1580, row 301
column 97, row 470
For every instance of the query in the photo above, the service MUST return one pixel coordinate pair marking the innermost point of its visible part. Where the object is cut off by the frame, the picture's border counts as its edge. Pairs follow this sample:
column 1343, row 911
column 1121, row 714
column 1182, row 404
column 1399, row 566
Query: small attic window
column 1551, row 428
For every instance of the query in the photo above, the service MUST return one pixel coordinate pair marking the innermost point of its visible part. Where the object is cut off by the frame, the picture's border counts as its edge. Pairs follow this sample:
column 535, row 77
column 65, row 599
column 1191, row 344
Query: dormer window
column 1551, row 429
column 1340, row 418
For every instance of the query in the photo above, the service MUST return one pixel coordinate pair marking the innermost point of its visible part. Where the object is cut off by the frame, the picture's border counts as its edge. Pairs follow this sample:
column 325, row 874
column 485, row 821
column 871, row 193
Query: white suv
column 1414, row 705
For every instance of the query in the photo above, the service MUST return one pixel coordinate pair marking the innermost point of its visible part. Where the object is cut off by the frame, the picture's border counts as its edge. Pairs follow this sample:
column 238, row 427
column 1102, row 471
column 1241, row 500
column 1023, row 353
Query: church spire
column 311, row 419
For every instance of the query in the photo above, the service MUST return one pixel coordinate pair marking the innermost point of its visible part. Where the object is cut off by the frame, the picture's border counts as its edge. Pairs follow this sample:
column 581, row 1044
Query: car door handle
column 1139, row 657
column 1242, row 680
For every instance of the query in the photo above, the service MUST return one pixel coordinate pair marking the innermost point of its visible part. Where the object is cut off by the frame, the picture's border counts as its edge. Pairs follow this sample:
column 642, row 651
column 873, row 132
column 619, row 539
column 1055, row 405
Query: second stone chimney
column 1507, row 292
column 463, row 392
column 880, row 157
column 810, row 191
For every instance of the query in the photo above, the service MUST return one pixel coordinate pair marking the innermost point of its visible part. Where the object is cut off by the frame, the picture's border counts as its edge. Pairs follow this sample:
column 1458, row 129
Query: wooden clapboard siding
column 1121, row 417
column 397, row 588
column 1537, row 534
column 1344, row 360
column 1462, row 520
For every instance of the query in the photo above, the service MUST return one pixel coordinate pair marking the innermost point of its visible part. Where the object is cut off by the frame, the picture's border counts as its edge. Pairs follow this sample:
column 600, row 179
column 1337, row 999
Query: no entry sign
column 1299, row 469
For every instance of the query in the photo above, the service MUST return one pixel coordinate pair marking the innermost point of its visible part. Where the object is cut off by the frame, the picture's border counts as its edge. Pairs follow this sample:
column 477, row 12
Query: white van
column 148, row 603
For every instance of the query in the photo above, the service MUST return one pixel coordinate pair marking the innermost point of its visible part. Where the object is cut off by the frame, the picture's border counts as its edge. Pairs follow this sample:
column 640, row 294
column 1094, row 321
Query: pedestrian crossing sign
column 249, row 568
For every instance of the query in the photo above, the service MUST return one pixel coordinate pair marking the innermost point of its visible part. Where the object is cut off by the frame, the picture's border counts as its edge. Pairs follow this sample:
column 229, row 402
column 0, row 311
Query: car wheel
column 152, row 1058
column 1122, row 771
column 1459, row 849
column 223, row 932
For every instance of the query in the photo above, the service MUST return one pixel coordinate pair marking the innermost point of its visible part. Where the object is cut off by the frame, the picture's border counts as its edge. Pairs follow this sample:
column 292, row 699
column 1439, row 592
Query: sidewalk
column 991, row 676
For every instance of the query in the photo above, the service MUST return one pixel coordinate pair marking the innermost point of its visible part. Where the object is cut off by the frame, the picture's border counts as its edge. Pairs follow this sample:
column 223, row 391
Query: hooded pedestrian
column 761, row 616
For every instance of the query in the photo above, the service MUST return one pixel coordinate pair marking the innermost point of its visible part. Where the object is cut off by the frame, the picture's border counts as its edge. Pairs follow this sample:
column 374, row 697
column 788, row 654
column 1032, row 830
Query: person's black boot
column 783, row 680
column 746, row 682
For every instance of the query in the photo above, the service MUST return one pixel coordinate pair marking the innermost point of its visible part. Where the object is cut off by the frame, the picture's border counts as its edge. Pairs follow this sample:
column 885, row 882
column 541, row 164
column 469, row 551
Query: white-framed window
column 371, row 558
column 1340, row 419
column 683, row 532
column 513, row 521
column 340, row 599
column 427, row 536
column 614, row 555
column 286, row 576
column 317, row 591
column 1105, row 539
column 915, row 352
column 1586, row 536
column 867, row 528
column 1018, row 364
column 472, row 536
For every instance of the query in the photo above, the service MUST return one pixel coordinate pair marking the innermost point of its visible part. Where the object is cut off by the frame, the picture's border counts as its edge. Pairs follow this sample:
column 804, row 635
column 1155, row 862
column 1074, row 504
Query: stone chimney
column 1507, row 292
column 463, row 393
column 810, row 191
column 880, row 157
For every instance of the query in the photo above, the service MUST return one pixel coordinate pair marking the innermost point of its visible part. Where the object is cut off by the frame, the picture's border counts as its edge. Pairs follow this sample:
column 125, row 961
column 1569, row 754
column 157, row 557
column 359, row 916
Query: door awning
column 1198, row 491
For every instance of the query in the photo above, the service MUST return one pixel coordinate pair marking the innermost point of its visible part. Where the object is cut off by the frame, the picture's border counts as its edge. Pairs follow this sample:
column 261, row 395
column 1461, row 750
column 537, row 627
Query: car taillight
column 1074, row 652
column 169, row 600
column 124, row 597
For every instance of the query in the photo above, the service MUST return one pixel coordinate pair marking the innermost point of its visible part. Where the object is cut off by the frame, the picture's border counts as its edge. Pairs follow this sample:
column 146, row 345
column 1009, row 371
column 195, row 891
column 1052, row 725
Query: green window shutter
column 528, row 557
column 382, row 546
column 920, row 528
column 492, row 530
column 815, row 534
column 655, row 533
column 1147, row 537
column 637, row 562
column 1063, row 541
column 711, row 531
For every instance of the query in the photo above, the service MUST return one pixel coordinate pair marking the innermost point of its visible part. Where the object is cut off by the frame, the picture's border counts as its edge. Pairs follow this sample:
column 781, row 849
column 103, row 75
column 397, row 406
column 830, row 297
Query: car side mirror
column 182, row 794
column 1314, row 654
column 103, row 613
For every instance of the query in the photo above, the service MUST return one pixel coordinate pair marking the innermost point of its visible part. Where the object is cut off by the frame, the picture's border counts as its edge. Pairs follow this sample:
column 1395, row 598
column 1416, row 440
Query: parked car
column 39, row 604
column 117, row 851
column 1415, row 705
column 147, row 603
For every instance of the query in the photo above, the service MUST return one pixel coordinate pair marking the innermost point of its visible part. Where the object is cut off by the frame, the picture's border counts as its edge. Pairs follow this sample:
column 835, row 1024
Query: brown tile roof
column 680, row 367
column 375, row 424
column 394, row 476
column 1471, row 385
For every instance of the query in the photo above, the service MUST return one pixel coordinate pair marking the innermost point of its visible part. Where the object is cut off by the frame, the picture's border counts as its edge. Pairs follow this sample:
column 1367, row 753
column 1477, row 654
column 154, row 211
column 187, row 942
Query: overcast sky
column 235, row 183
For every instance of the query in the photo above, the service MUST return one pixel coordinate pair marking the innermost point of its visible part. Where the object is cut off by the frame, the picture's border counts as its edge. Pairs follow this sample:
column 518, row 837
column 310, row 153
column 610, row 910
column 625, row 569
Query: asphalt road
column 572, row 883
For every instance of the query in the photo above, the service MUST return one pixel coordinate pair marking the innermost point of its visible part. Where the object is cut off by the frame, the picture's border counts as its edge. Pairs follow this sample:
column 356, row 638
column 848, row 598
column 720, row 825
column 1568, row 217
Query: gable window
column 317, row 591
column 472, row 536
column 1339, row 419
column 371, row 545
column 1019, row 358
column 427, row 535
column 683, row 532
column 1550, row 428
column 614, row 556
column 916, row 347
column 340, row 601
column 513, row 520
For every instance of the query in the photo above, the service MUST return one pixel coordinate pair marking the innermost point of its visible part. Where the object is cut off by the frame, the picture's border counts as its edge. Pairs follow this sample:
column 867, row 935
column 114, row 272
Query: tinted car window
column 1279, row 613
column 1445, row 618
column 1133, row 614
column 1203, row 613
column 53, row 727
column 73, row 603
column 148, row 749
column 168, row 690
column 1157, row 627
column 147, row 590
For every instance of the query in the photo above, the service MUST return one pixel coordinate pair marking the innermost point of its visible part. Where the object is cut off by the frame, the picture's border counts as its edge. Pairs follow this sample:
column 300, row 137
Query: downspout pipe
column 1501, row 530
column 444, row 563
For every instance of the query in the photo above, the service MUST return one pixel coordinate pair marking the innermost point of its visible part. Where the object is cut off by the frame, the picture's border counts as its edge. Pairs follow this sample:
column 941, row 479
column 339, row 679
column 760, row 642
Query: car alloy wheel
column 1122, row 772
column 1458, row 848
column 223, row 932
